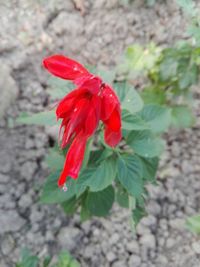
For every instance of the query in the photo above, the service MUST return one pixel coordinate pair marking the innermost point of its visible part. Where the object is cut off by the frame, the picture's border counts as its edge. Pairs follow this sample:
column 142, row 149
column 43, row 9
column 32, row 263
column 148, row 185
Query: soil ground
column 95, row 34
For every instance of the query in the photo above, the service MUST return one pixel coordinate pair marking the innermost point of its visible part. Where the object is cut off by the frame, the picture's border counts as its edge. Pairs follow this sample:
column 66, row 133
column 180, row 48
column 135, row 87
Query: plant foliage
column 122, row 174
column 29, row 260
column 169, row 75
column 110, row 175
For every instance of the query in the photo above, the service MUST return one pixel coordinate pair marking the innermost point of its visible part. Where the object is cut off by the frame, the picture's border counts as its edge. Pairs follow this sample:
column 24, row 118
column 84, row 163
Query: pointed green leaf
column 99, row 203
column 55, row 160
column 182, row 117
column 137, row 214
column 168, row 68
column 81, row 182
column 130, row 174
column 150, row 166
column 157, row 117
column 129, row 97
column 133, row 122
column 58, row 88
column 122, row 197
column 107, row 76
column 66, row 260
column 100, row 177
column 99, row 155
column 53, row 194
column 85, row 213
column 132, row 101
column 45, row 118
column 145, row 144
column 70, row 205
column 154, row 95
column 28, row 260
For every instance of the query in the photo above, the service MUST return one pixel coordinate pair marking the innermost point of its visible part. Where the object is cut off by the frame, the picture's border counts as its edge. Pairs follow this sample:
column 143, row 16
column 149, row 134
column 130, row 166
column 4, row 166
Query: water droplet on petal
column 75, row 109
column 64, row 188
column 110, row 95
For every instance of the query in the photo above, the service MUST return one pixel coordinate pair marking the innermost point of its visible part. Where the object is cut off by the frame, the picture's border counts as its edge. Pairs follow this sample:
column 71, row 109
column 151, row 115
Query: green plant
column 121, row 174
column 29, row 260
column 192, row 13
column 168, row 76
column 193, row 224
column 110, row 174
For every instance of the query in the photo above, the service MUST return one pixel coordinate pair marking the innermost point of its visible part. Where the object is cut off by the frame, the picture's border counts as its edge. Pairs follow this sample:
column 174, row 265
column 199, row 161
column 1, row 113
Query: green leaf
column 99, row 203
column 53, row 194
column 129, row 97
column 28, row 260
column 55, row 160
column 81, row 185
column 168, row 68
column 137, row 214
column 46, row 261
column 145, row 144
column 132, row 101
column 189, row 76
column 74, row 263
column 141, row 59
column 66, row 260
column 182, row 117
column 70, row 205
column 45, row 118
column 133, row 122
column 122, row 197
column 154, row 95
column 193, row 224
column 130, row 174
column 150, row 166
column 85, row 213
column 94, row 156
column 58, row 88
column 157, row 117
column 100, row 177
column 105, row 153
column 99, row 155
column 107, row 76
column 121, row 89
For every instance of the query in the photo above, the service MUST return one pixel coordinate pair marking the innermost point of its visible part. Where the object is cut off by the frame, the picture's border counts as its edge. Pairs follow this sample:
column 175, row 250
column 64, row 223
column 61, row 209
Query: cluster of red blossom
column 81, row 110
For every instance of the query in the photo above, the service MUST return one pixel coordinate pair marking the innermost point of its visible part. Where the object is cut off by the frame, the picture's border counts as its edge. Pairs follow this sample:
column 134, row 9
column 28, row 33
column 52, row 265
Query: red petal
column 114, row 121
column 77, row 119
column 112, row 133
column 80, row 80
column 109, row 102
column 74, row 159
column 93, row 116
column 64, row 67
column 65, row 107
column 67, row 103
column 112, row 138
column 92, row 84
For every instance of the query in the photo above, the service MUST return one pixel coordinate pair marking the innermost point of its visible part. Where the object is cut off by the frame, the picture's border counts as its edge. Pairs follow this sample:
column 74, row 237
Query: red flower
column 81, row 110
